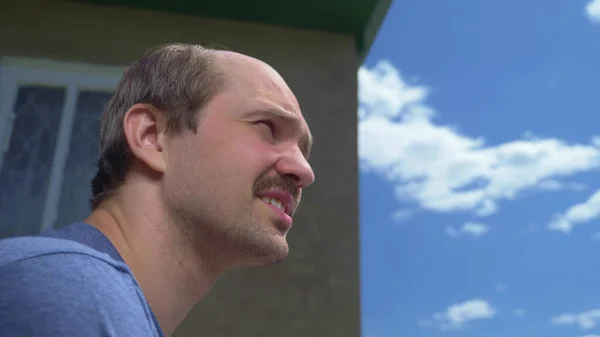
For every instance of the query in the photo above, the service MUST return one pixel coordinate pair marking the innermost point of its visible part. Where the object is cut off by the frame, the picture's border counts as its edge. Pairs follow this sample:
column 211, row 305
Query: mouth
column 273, row 201
column 282, row 204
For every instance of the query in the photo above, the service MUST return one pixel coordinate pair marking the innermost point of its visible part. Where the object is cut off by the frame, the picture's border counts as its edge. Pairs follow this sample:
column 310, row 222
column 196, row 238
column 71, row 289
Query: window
column 49, row 137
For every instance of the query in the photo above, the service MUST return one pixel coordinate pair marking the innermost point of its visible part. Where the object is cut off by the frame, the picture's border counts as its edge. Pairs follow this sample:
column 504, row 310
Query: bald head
column 180, row 80
column 235, row 66
column 252, row 76
column 236, row 63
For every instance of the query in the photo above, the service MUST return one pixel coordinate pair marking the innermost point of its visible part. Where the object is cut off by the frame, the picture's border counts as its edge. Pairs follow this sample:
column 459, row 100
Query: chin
column 273, row 252
column 276, row 256
column 280, row 257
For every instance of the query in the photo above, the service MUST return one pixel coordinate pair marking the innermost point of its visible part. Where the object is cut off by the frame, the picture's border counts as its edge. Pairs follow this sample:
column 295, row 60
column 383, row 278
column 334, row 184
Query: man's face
column 233, row 186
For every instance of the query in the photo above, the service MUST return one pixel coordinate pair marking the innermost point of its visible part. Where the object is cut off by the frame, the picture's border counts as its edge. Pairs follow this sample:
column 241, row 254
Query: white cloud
column 458, row 315
column 592, row 10
column 591, row 335
column 585, row 320
column 577, row 214
column 469, row 228
column 443, row 170
column 555, row 185
column 520, row 312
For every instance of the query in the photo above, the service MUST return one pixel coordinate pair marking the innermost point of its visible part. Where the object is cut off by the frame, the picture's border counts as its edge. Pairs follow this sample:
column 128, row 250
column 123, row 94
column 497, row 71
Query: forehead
column 252, row 78
column 253, row 86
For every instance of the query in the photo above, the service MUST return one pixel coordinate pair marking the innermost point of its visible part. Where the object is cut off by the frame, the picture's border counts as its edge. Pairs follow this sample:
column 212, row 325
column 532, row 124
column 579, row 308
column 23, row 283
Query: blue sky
column 479, row 145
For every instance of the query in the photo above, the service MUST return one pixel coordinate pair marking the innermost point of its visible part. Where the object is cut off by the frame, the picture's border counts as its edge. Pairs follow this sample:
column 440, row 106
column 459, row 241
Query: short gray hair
column 178, row 79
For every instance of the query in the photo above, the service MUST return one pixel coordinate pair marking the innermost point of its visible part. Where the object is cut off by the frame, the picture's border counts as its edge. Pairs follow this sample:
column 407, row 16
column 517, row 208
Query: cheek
column 253, row 159
column 226, row 164
column 232, row 146
column 242, row 152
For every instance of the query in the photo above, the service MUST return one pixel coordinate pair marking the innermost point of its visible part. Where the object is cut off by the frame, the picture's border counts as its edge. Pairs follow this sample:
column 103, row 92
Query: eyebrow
column 306, row 141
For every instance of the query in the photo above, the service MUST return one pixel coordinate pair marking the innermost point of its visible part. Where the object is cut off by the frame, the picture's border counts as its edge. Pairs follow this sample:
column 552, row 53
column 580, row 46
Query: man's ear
column 145, row 127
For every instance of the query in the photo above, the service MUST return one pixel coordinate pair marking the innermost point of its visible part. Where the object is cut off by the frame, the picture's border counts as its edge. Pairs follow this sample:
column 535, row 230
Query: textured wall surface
column 315, row 292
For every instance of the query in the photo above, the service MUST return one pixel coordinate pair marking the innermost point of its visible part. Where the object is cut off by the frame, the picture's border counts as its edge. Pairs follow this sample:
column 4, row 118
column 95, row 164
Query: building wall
column 315, row 292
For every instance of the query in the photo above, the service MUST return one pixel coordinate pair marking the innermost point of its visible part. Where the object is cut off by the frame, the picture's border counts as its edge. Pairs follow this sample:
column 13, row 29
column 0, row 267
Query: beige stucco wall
column 315, row 292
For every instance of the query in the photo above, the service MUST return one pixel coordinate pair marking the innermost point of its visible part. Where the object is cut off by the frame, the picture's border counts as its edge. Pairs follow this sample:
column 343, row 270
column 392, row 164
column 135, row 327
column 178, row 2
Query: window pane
column 82, row 159
column 26, row 167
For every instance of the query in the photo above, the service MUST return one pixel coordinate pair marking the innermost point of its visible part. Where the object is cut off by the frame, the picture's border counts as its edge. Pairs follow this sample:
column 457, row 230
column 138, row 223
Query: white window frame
column 74, row 77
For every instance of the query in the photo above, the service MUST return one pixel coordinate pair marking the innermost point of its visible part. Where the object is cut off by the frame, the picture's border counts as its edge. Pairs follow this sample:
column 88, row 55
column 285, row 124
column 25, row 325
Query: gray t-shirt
column 67, row 283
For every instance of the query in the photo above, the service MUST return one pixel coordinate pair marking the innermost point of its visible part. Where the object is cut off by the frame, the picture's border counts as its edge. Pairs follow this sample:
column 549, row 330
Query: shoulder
column 22, row 248
column 56, row 287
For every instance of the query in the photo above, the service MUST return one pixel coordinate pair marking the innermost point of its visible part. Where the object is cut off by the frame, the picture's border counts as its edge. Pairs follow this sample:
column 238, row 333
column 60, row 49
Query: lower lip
column 286, row 219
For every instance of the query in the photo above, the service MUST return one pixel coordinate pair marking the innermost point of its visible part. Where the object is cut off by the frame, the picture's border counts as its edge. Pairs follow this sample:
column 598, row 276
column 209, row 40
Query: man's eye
column 269, row 125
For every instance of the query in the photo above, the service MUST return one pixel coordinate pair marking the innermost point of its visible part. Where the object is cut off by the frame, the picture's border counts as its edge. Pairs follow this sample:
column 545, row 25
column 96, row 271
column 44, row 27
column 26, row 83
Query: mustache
column 286, row 184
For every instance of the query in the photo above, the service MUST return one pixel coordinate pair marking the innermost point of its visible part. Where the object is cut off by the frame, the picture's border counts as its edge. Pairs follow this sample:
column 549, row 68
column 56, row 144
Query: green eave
column 360, row 18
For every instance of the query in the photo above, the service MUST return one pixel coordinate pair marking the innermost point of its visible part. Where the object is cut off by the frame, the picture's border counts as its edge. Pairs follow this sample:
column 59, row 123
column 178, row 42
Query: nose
column 295, row 166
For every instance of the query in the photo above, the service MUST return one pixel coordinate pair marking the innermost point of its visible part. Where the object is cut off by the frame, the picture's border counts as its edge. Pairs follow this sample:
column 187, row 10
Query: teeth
column 274, row 202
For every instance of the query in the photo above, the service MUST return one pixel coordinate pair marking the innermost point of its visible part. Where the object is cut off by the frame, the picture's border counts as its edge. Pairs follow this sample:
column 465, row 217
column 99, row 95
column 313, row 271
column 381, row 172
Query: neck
column 172, row 279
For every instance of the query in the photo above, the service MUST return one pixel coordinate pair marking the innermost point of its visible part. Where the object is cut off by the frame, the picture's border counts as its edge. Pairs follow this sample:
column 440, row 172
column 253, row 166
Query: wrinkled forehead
column 254, row 87
column 257, row 83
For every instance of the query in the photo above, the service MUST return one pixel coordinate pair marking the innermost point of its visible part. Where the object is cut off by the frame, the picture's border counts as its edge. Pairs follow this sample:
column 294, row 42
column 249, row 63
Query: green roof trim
column 360, row 18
